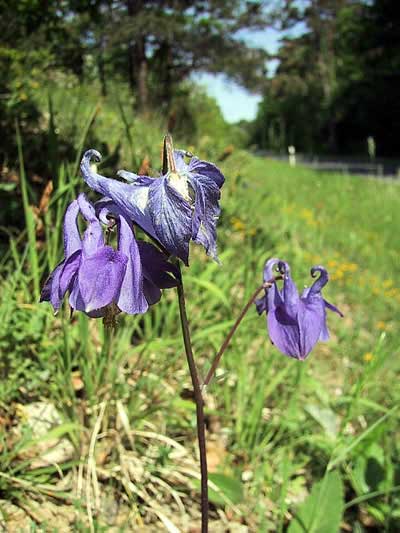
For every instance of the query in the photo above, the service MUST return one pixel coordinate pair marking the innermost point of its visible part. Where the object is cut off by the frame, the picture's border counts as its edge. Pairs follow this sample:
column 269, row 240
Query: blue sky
column 235, row 102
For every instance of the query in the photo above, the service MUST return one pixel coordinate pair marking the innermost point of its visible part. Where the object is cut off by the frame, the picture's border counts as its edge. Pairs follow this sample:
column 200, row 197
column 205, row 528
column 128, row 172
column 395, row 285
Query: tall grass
column 277, row 427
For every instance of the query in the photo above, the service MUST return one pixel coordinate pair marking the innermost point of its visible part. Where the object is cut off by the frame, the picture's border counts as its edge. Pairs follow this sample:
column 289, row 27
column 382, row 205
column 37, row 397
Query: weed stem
column 233, row 329
column 201, row 429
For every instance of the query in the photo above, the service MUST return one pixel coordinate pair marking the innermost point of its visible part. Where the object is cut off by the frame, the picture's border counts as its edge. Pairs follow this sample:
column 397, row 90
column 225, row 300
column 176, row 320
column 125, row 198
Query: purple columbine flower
column 295, row 323
column 97, row 276
column 174, row 208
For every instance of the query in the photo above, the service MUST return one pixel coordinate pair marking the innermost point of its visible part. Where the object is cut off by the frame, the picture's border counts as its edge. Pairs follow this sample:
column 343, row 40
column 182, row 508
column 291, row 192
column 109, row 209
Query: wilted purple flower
column 295, row 323
column 174, row 208
column 98, row 276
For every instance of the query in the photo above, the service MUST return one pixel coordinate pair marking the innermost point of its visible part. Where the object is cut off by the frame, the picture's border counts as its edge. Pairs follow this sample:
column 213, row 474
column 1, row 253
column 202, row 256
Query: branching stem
column 233, row 329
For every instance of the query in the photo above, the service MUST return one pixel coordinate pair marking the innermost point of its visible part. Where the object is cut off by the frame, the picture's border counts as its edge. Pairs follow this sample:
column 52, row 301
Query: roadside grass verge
column 276, row 427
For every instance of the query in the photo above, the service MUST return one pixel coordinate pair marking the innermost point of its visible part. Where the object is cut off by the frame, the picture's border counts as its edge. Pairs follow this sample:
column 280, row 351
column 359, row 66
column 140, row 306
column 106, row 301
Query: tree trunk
column 100, row 66
column 141, row 76
column 137, row 61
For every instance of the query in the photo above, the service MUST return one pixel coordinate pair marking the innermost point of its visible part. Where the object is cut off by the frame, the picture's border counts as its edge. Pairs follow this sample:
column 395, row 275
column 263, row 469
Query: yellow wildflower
column 349, row 267
column 238, row 224
column 306, row 213
column 368, row 357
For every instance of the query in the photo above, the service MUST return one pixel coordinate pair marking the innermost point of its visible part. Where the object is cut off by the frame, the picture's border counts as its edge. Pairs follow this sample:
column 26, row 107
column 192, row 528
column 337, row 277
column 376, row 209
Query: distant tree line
column 153, row 46
column 337, row 83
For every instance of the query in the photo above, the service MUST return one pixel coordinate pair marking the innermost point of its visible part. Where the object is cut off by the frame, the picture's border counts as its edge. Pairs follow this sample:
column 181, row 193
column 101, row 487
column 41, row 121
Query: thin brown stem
column 233, row 329
column 198, row 397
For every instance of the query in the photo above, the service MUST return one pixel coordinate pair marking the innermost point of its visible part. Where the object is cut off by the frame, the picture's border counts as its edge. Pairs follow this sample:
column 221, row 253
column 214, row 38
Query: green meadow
column 292, row 446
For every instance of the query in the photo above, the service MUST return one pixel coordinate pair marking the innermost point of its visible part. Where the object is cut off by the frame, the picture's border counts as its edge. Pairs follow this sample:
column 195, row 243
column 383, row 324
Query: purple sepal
column 72, row 244
column 99, row 278
column 72, row 237
column 50, row 291
column 131, row 198
column 295, row 323
column 97, row 275
column 171, row 217
column 197, row 166
column 261, row 305
column 206, row 180
column 158, row 272
column 69, row 270
column 131, row 299
column 206, row 213
column 161, row 209
column 151, row 292
column 157, row 269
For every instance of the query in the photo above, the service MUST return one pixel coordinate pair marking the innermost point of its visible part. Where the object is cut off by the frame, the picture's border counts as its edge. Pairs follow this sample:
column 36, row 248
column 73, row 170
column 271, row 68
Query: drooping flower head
column 96, row 275
column 180, row 205
column 295, row 322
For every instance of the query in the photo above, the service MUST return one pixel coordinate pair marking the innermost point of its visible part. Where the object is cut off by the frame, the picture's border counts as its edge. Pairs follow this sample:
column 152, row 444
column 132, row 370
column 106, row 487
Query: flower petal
column 72, row 238
column 319, row 283
column 131, row 198
column 70, row 268
column 151, row 292
column 209, row 170
column 134, row 178
column 171, row 217
column 100, row 277
column 284, row 332
column 131, row 298
column 93, row 238
column 75, row 297
column 269, row 268
column 333, row 308
column 274, row 297
column 86, row 208
column 206, row 212
column 50, row 290
column 156, row 268
column 324, row 335
column 289, row 293
column 261, row 304
column 311, row 318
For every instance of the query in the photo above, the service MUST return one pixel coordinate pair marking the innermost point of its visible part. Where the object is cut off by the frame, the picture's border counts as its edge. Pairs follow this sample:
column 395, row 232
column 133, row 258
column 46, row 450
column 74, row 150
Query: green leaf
column 322, row 511
column 54, row 433
column 230, row 487
column 325, row 417
column 7, row 187
column 343, row 452
column 222, row 490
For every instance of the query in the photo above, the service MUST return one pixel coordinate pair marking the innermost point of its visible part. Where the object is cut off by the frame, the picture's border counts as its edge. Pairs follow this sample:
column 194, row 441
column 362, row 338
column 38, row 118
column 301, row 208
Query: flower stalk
column 198, row 398
column 233, row 329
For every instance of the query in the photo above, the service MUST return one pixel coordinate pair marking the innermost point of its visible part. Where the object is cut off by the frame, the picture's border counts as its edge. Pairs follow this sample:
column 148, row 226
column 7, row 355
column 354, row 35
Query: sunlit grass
column 274, row 424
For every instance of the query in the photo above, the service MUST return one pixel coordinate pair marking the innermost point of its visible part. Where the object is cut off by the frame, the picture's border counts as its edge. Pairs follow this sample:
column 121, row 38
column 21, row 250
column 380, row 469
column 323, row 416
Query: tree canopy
column 337, row 83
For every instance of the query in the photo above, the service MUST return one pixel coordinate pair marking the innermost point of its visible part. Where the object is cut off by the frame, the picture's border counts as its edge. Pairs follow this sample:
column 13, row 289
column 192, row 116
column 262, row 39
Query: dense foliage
column 337, row 83
column 154, row 47
column 285, row 438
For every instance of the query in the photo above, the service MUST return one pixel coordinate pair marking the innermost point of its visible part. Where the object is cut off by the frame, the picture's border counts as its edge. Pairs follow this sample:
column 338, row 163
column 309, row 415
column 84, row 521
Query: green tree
column 337, row 83
column 164, row 42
